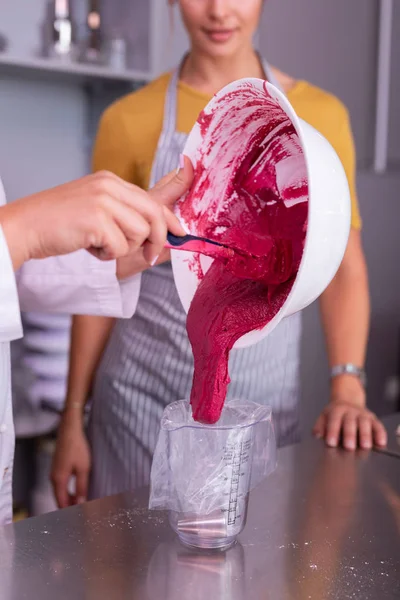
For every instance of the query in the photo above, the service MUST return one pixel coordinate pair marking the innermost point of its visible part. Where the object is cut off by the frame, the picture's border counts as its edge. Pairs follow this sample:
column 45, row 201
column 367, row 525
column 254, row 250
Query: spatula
column 193, row 243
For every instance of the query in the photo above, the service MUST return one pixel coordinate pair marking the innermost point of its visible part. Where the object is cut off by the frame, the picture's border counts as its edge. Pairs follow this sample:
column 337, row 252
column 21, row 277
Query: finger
column 146, row 210
column 164, row 256
column 365, row 431
column 379, row 433
column 350, row 431
column 119, row 233
column 81, row 482
column 173, row 223
column 156, row 239
column 333, row 426
column 184, row 163
column 168, row 191
column 109, row 242
column 164, row 180
column 60, row 488
column 319, row 427
column 148, row 206
column 109, row 178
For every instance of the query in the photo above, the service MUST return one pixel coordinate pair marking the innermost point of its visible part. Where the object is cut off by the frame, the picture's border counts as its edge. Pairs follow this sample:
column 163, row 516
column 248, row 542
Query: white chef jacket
column 76, row 283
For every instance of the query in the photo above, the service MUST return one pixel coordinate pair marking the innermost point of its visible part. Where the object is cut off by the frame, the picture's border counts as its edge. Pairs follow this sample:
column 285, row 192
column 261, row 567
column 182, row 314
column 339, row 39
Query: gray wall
column 332, row 43
column 42, row 139
column 42, row 124
column 394, row 134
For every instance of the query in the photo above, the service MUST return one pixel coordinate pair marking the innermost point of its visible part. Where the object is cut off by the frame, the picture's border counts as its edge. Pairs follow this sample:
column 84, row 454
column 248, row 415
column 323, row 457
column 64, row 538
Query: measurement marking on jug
column 236, row 458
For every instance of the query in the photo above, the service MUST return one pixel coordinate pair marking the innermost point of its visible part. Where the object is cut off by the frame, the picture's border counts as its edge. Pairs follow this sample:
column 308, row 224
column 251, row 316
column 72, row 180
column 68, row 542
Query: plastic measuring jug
column 203, row 473
column 231, row 486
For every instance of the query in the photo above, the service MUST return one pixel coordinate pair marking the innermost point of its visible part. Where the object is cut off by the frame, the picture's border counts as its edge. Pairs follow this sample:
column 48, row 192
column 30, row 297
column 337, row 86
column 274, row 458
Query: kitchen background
column 49, row 111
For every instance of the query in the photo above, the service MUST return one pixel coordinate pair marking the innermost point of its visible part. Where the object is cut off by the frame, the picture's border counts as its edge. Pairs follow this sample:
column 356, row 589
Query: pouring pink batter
column 261, row 212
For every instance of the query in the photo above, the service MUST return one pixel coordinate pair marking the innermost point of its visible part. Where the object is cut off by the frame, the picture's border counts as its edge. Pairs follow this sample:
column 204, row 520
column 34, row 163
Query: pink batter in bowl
column 253, row 156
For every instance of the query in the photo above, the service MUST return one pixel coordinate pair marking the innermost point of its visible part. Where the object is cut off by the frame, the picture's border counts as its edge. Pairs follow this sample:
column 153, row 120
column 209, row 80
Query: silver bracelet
column 350, row 369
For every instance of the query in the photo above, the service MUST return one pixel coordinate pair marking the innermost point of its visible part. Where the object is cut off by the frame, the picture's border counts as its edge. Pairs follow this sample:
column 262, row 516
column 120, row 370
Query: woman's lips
column 219, row 36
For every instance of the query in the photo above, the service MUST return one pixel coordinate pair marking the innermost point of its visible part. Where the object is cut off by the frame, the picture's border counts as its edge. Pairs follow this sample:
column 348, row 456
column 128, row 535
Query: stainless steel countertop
column 324, row 526
column 393, row 445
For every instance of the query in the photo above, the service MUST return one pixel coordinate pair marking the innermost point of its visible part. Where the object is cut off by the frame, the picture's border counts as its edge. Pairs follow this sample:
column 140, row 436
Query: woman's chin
column 220, row 51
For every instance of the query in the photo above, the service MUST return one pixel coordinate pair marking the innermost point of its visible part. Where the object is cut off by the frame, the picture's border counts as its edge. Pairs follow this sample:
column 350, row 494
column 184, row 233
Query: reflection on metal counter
column 324, row 526
column 177, row 573
column 392, row 425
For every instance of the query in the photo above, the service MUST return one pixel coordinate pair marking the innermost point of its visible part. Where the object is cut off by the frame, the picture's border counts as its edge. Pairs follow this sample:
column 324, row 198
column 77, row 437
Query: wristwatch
column 350, row 369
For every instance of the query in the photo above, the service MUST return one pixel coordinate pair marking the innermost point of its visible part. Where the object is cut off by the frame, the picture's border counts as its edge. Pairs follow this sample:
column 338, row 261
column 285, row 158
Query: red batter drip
column 263, row 220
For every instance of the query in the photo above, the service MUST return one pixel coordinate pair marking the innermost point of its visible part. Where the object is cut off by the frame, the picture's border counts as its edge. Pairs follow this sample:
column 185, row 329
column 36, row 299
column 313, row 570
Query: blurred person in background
column 132, row 369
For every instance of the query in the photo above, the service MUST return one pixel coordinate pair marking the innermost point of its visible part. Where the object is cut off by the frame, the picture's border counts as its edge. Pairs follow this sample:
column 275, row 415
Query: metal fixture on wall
column 62, row 44
column 92, row 50
column 117, row 53
column 383, row 85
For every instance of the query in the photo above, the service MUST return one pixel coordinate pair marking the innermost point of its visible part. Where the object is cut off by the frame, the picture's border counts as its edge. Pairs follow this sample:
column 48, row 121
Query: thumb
column 173, row 223
column 81, row 486
column 171, row 187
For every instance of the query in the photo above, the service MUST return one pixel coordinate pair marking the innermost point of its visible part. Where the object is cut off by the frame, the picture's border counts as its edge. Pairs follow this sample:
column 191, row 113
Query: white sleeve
column 10, row 318
column 76, row 283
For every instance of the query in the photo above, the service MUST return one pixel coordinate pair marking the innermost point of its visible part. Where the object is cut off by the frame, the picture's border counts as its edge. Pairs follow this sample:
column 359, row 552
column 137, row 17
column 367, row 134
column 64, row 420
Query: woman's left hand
column 347, row 420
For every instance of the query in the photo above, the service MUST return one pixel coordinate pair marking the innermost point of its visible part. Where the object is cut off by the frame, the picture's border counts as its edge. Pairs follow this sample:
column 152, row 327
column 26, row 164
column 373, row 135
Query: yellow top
column 129, row 129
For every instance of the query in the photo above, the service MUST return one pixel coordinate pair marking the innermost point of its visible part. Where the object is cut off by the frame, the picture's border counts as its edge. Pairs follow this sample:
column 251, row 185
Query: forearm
column 89, row 336
column 345, row 312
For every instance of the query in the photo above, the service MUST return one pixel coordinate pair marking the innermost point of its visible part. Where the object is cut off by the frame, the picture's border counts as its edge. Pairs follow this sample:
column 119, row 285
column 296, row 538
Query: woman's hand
column 72, row 458
column 165, row 193
column 100, row 213
column 347, row 420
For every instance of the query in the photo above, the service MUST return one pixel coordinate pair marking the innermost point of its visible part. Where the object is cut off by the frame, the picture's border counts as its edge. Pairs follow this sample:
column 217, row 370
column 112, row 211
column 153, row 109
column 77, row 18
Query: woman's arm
column 89, row 336
column 345, row 312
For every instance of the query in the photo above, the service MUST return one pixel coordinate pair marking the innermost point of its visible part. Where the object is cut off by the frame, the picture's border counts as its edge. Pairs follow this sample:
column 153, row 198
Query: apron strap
column 169, row 123
column 171, row 104
column 169, row 120
column 270, row 75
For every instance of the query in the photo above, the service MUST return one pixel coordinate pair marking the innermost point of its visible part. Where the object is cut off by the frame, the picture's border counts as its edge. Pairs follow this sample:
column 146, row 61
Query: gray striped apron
column 148, row 362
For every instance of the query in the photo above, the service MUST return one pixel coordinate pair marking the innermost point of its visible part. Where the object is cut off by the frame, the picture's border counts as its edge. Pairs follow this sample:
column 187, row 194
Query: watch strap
column 350, row 369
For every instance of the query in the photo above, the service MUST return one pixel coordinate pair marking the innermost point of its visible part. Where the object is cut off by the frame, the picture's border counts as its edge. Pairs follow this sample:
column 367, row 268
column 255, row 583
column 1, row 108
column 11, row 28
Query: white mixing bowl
column 329, row 212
